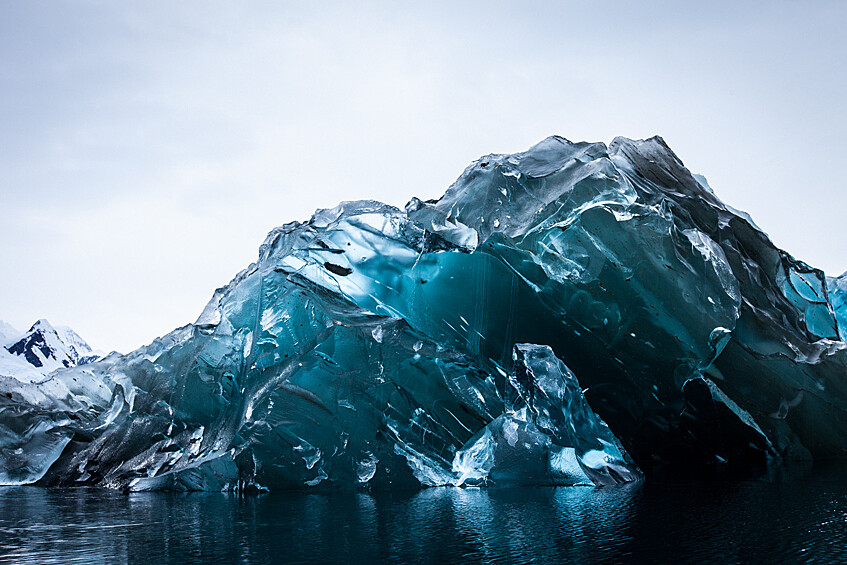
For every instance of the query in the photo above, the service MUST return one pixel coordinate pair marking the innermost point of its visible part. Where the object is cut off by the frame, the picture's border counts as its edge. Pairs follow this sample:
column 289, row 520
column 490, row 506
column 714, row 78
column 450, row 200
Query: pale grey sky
column 146, row 148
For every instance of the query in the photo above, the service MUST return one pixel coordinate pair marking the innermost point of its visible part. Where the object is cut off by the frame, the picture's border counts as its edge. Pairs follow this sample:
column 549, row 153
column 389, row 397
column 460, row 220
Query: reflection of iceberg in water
column 372, row 347
column 559, row 525
column 649, row 521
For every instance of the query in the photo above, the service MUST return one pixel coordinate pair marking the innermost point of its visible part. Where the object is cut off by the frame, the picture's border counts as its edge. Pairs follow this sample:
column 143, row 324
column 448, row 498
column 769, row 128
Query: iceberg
column 574, row 314
column 838, row 294
column 547, row 434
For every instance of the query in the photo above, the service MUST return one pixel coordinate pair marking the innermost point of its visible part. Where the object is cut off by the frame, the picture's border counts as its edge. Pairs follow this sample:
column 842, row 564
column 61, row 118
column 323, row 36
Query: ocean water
column 792, row 515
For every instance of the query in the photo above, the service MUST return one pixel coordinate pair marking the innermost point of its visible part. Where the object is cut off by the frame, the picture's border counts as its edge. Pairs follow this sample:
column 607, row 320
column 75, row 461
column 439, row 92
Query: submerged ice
column 575, row 314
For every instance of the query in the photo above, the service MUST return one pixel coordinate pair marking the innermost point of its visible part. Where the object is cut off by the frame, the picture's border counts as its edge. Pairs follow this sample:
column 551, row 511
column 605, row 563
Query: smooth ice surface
column 376, row 347
column 838, row 295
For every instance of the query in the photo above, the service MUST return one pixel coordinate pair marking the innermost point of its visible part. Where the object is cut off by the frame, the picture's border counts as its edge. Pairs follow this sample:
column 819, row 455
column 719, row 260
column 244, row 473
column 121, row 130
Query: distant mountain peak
column 42, row 323
column 48, row 348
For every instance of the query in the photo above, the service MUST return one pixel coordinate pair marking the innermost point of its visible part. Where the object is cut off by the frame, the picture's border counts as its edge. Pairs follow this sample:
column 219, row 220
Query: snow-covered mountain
column 41, row 350
column 8, row 333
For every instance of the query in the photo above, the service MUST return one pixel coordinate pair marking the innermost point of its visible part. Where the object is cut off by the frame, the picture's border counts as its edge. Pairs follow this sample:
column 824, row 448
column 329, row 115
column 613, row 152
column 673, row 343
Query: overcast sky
column 146, row 148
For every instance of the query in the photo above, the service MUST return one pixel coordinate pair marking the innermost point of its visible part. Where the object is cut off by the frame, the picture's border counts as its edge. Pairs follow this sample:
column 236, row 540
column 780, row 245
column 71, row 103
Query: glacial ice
column 548, row 432
column 574, row 314
column 838, row 295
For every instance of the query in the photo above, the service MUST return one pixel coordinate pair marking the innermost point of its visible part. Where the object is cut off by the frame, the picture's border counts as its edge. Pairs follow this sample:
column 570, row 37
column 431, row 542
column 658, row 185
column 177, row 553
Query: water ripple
column 797, row 515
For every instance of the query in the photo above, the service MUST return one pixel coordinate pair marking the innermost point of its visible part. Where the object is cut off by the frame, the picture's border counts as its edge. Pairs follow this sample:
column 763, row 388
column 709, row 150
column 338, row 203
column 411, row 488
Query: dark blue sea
column 787, row 515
